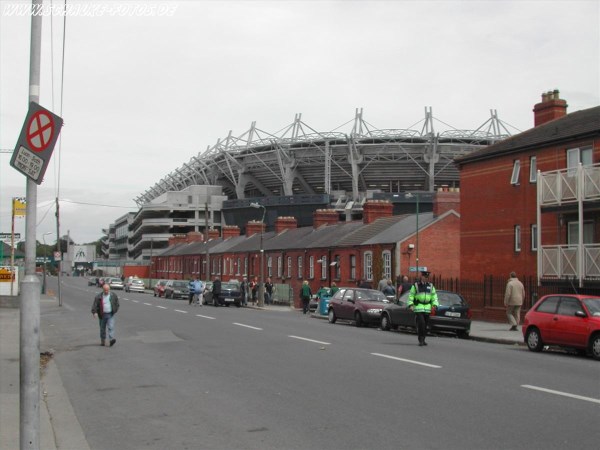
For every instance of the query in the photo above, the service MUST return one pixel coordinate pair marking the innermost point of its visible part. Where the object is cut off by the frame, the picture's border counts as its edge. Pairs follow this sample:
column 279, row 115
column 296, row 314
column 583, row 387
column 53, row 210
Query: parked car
column 159, row 288
column 453, row 314
column 93, row 281
column 231, row 294
column 114, row 283
column 363, row 306
column 135, row 285
column 177, row 289
column 564, row 320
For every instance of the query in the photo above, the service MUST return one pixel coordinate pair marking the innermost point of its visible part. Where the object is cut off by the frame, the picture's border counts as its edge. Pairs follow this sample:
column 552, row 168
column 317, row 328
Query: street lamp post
column 416, row 195
column 44, row 266
column 261, row 286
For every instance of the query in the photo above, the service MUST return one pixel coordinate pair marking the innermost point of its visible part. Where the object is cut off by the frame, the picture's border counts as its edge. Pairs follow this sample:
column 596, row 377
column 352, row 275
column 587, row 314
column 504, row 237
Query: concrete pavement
column 59, row 427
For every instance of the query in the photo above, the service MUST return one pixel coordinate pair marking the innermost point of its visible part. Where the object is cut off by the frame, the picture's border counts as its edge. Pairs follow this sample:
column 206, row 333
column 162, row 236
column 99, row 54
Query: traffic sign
column 57, row 256
column 7, row 236
column 36, row 142
column 417, row 269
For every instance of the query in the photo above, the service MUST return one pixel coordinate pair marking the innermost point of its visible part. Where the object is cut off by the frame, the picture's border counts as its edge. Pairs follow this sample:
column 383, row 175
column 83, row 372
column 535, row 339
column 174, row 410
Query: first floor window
column 353, row 267
column 534, row 243
column 338, row 270
column 289, row 267
column 270, row 266
column 514, row 179
column 517, row 238
column 324, row 267
column 279, row 267
column 311, row 267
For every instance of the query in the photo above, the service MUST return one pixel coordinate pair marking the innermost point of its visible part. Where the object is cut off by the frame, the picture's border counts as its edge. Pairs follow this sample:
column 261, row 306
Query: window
column 578, row 155
column 279, row 267
column 569, row 306
column 269, row 266
column 573, row 233
column 517, row 238
column 289, row 267
column 230, row 266
column 549, row 305
column 239, row 266
column 311, row 267
column 338, row 270
column 324, row 267
column 387, row 264
column 352, row 267
column 299, row 266
column 246, row 265
column 533, row 169
column 368, row 267
column 534, row 243
column 514, row 179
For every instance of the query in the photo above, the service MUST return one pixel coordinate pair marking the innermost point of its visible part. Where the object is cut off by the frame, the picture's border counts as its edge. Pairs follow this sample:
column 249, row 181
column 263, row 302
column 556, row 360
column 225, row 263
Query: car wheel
column 385, row 322
column 595, row 346
column 462, row 334
column 155, row 294
column 331, row 316
column 533, row 339
column 358, row 319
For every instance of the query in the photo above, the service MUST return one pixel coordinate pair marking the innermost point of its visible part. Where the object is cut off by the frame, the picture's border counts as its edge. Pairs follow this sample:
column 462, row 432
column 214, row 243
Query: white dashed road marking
column 161, row 307
column 564, row 394
column 310, row 340
column 184, row 312
column 205, row 317
column 247, row 326
column 149, row 304
column 433, row 366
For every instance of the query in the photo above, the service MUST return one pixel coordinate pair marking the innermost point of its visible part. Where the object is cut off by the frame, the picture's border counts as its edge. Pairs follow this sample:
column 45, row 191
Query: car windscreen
column 593, row 305
column 371, row 296
column 179, row 284
column 230, row 286
column 137, row 282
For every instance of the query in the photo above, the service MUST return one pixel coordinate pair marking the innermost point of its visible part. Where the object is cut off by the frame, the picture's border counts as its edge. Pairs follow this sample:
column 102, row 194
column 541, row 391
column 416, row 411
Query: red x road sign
column 36, row 142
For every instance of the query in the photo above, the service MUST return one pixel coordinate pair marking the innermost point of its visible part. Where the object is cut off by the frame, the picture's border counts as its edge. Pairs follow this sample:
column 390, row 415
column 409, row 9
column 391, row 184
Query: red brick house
column 330, row 251
column 531, row 203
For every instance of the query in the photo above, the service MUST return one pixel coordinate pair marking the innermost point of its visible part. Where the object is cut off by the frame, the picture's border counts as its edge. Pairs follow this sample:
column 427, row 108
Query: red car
column 565, row 320
column 159, row 288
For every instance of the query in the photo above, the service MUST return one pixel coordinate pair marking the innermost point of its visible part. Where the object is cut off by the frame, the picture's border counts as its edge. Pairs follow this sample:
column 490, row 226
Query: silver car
column 114, row 283
column 135, row 285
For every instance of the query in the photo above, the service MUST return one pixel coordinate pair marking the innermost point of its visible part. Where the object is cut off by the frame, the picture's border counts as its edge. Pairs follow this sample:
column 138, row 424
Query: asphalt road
column 183, row 377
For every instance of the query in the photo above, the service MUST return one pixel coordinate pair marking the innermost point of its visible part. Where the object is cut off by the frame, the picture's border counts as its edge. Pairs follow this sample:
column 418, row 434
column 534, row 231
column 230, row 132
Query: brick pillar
column 375, row 209
column 551, row 107
column 325, row 217
column 254, row 227
column 285, row 223
column 230, row 231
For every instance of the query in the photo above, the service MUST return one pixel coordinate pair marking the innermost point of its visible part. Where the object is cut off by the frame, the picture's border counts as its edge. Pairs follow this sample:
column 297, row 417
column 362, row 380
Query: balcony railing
column 561, row 262
column 565, row 186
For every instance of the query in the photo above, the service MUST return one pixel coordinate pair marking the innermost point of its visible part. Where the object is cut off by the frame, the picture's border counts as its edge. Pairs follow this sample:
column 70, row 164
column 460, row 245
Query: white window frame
column 246, row 266
column 239, row 265
column 338, row 269
column 386, row 256
column 279, row 266
column 324, row 267
column 289, row 267
column 230, row 266
column 516, row 172
column 368, row 266
column 533, row 169
column 573, row 230
column 311, row 267
column 300, row 275
column 269, row 266
column 353, row 267
column 534, row 244
column 517, row 238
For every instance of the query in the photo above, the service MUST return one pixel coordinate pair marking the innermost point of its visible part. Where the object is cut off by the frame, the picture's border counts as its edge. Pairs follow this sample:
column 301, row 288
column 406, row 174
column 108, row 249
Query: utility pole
column 206, row 241
column 58, row 249
column 29, row 427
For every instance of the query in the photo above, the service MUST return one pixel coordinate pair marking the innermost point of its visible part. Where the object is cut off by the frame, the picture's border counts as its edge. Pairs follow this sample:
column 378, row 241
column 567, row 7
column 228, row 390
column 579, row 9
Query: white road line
column 149, row 304
column 310, row 340
column 433, row 366
column 247, row 326
column 564, row 394
column 134, row 301
column 161, row 307
column 205, row 317
column 184, row 312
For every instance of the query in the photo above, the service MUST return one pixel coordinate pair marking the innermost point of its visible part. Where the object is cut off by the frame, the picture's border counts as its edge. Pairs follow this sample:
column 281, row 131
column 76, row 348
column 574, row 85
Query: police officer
column 421, row 300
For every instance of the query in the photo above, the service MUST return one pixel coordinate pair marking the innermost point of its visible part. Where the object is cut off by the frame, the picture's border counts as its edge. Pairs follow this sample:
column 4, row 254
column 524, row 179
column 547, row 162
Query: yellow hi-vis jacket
column 422, row 297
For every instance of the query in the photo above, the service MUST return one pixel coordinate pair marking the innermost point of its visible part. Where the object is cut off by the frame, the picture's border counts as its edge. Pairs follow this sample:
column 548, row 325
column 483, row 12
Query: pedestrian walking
column 421, row 300
column 190, row 291
column 389, row 289
column 334, row 288
column 245, row 288
column 216, row 291
column 268, row 292
column 305, row 294
column 513, row 300
column 198, row 291
column 404, row 286
column 254, row 290
column 105, row 306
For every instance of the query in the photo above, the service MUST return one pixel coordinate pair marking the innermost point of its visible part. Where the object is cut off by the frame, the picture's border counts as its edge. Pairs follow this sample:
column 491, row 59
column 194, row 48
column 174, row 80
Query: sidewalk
column 60, row 428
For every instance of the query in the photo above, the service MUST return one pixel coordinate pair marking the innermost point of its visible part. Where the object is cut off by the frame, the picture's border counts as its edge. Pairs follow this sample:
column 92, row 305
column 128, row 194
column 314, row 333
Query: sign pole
column 12, row 248
column 29, row 431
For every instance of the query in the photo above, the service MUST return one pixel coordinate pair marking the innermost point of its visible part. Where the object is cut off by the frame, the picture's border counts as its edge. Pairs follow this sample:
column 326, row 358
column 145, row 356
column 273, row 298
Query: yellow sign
column 19, row 206
column 6, row 276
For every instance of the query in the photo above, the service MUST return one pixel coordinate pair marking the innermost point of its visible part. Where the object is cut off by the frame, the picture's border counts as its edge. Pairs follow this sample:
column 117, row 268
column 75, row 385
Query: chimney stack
column 325, row 217
column 230, row 231
column 194, row 236
column 254, row 227
column 445, row 201
column 177, row 239
column 375, row 209
column 285, row 223
column 551, row 107
column 213, row 234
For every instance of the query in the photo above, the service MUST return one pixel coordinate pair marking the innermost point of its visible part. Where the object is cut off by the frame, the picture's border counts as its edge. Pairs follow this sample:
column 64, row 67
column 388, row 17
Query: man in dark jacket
column 106, row 305
column 216, row 291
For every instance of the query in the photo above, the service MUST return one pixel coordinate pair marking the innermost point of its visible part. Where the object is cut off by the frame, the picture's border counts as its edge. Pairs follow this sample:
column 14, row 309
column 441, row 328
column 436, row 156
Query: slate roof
column 576, row 125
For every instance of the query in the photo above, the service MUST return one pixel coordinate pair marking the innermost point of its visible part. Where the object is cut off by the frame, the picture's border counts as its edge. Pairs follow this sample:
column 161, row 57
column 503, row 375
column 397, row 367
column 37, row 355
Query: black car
column 177, row 289
column 452, row 314
column 231, row 294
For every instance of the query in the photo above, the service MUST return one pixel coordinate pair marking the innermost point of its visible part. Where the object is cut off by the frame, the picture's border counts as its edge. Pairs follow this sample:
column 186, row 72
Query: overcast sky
column 143, row 93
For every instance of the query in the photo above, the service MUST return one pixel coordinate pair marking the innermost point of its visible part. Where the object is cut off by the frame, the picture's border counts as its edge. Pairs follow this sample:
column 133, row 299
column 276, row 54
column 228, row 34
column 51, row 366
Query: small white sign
column 28, row 163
